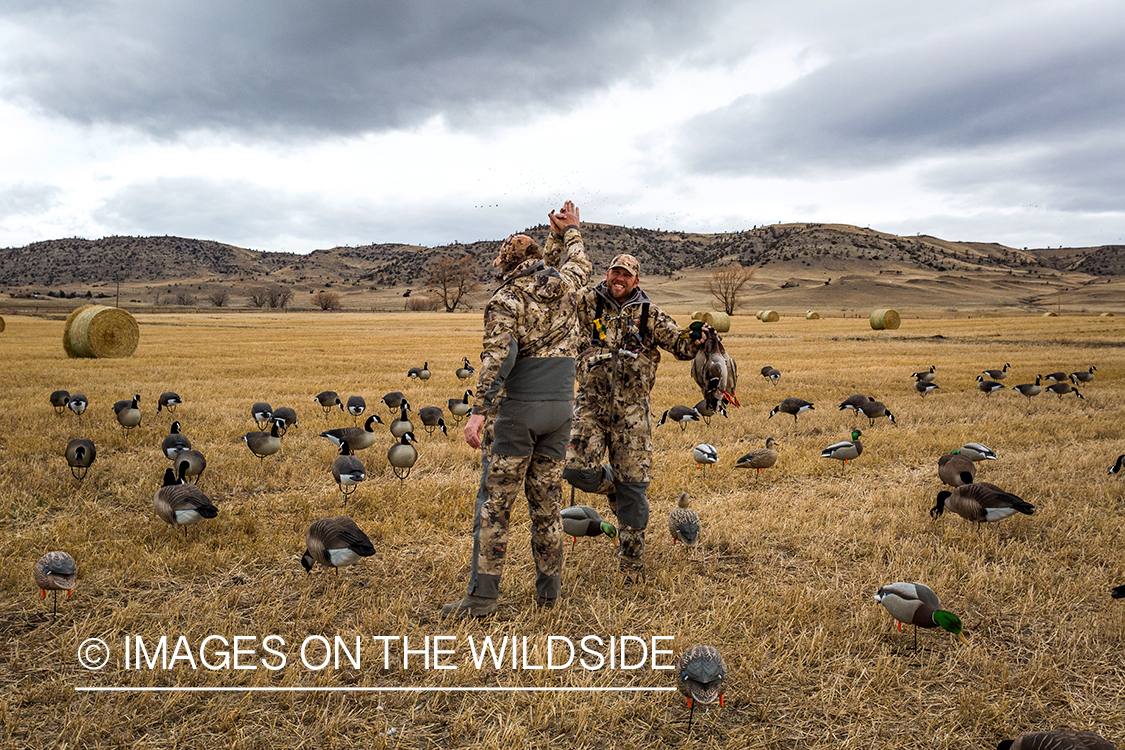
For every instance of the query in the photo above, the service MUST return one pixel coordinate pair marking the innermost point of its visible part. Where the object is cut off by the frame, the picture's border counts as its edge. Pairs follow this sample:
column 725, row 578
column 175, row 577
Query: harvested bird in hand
column 713, row 368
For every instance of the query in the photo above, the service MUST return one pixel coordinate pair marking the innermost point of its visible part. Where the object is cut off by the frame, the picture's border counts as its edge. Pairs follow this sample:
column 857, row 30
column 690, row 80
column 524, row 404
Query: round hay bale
column 885, row 320
column 1050, row 315
column 812, row 315
column 758, row 314
column 2, row 324
column 1103, row 315
column 99, row 331
column 720, row 321
column 698, row 315
column 770, row 316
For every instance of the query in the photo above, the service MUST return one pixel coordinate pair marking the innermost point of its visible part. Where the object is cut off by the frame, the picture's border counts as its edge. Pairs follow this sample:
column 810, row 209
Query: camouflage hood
column 534, row 277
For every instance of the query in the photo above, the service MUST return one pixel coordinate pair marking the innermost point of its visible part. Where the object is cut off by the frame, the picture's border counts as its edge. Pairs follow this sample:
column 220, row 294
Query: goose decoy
column 700, row 674
column 59, row 401
column 981, row 502
column 358, row 438
column 926, row 376
column 715, row 371
column 402, row 424
column 180, row 503
column 582, row 520
column 335, row 542
column 168, row 400
column 1058, row 739
column 956, row 470
column 759, row 458
column 395, row 400
column 284, row 417
column 190, row 464
column 705, row 412
column 80, row 453
column 925, row 387
column 327, row 400
column 845, row 450
column 1030, row 389
column 854, row 402
column 683, row 522
column 128, row 414
column 1058, row 377
column 465, row 372
column 1116, row 468
column 348, row 471
column 356, row 406
column 1083, row 377
column 402, row 456
column 77, row 403
column 681, row 414
column 875, row 409
column 460, row 407
column 977, row 452
column 792, row 406
column 262, row 413
column 996, row 374
column 416, row 372
column 424, row 374
column 705, row 454
column 988, row 387
column 916, row 604
column 771, row 374
column 175, row 442
column 432, row 418
column 1118, row 592
column 263, row 444
column 1063, row 388
column 55, row 572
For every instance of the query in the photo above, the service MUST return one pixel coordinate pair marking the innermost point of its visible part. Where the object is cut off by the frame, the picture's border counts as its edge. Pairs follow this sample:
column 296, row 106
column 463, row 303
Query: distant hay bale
column 1103, row 315
column 2, row 326
column 720, row 321
column 770, row 316
column 698, row 315
column 1050, row 315
column 885, row 320
column 758, row 314
column 102, row 332
column 812, row 315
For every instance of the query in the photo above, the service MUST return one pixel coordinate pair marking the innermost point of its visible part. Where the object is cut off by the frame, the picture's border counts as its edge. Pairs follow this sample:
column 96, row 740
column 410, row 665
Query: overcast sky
column 295, row 125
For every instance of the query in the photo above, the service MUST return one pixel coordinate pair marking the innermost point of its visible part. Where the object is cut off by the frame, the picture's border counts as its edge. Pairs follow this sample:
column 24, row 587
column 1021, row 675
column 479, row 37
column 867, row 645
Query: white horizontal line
column 114, row 689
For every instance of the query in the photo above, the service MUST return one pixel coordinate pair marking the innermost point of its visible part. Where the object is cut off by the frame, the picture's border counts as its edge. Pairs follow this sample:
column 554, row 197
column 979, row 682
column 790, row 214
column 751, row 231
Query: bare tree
column 183, row 297
column 327, row 300
column 452, row 278
column 728, row 286
column 279, row 297
column 259, row 296
column 423, row 304
column 219, row 297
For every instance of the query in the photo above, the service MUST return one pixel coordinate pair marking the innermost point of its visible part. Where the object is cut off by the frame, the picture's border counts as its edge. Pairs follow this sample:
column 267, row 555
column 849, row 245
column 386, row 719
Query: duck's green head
column 951, row 622
column 609, row 530
column 856, row 434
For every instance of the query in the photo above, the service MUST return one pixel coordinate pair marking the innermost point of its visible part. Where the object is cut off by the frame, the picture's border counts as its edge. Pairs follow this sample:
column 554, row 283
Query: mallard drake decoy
column 168, row 400
column 460, row 407
column 916, row 604
column 705, row 412
column 1083, row 376
column 356, row 406
column 705, row 454
column 854, row 402
column 59, row 400
column 77, row 403
column 955, row 469
column 926, row 376
column 358, row 438
column 1030, row 389
column 1116, row 468
column 792, row 406
column 55, row 572
column 262, row 413
column 1063, row 388
column 1058, row 739
column 1058, row 377
column 432, row 418
column 128, row 413
column 348, row 471
column 263, row 444
column 190, row 465
column 401, row 424
column 582, row 520
column 683, row 522
column 700, row 674
column 80, row 453
column 335, row 542
column 395, row 400
column 977, row 452
column 328, row 400
column 681, row 414
column 759, row 458
column 981, row 502
column 180, row 503
column 465, row 372
column 402, row 455
column 988, row 387
column 996, row 374
column 175, row 442
column 875, row 409
column 925, row 387
column 284, row 417
column 715, row 371
column 845, row 450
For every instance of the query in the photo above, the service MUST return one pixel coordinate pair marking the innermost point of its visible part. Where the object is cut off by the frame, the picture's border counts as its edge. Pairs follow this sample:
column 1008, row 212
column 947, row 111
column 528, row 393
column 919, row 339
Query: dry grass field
column 782, row 583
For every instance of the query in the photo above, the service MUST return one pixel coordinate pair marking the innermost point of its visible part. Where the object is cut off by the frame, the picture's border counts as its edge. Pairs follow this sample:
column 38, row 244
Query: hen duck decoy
column 681, row 414
column 715, row 371
column 981, row 502
column 335, row 542
column 55, row 572
column 916, row 604
column 700, row 676
column 80, row 454
column 759, row 458
column 845, row 450
column 683, row 522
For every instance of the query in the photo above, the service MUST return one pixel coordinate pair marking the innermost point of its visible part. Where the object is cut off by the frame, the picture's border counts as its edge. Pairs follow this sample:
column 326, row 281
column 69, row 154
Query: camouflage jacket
column 530, row 329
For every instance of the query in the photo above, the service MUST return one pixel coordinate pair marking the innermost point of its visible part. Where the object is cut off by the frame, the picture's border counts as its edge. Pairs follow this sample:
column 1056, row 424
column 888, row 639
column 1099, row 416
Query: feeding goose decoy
column 1118, row 592
column 348, row 471
column 854, row 402
column 59, row 401
column 460, row 407
column 875, row 409
column 175, row 442
column 759, row 458
column 128, row 413
column 926, row 376
column 1030, row 389
column 190, row 464
column 1083, row 376
column 401, row 424
column 419, row 373
column 358, row 438
column 335, row 542
column 168, row 400
column 1058, row 377
column 80, row 453
column 1063, row 388
column 700, row 675
column 1058, row 739
column 925, row 387
column 284, row 417
column 981, row 502
column 715, row 371
column 977, row 452
column 582, row 520
column 432, row 418
column 705, row 454
column 402, row 456
column 771, row 374
column 263, row 444
column 792, row 406
column 683, row 522
column 705, row 412
column 356, row 406
column 988, row 387
column 395, row 400
column 328, row 400
column 916, row 604
column 956, row 470
column 466, row 371
column 262, row 413
column 996, row 374
column 180, row 503
column 845, row 450
column 55, row 572
column 77, row 403
column 1116, row 468
column 681, row 414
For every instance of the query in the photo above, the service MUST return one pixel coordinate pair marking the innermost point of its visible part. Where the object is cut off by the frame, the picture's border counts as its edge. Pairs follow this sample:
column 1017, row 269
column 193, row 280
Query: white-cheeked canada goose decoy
column 845, row 450
column 926, row 376
column 684, row 523
column 981, row 502
column 715, row 371
column 988, row 387
column 356, row 406
column 328, row 400
column 956, row 470
column 759, row 458
column 705, row 412
column 180, row 503
column 395, row 400
column 1118, row 592
column 348, row 471
column 432, row 418
column 263, row 444
column 700, row 676
column 460, row 407
column 401, row 424
column 681, row 414
column 996, row 374
column 335, row 542
column 1057, row 739
column 80, row 454
column 128, row 413
column 792, row 406
column 1083, row 376
column 925, row 387
column 854, row 402
column 1063, row 388
column 262, row 413
column 77, row 403
column 466, row 371
column 59, row 400
column 704, row 454
column 168, row 400
column 190, row 465
column 175, row 442
column 1058, row 377
column 916, row 604
column 358, row 438
column 1030, row 389
column 977, row 452
column 771, row 374
column 284, row 417
column 55, row 572
column 424, row 375
column 402, row 456
column 582, row 520
column 874, row 410
column 1116, row 468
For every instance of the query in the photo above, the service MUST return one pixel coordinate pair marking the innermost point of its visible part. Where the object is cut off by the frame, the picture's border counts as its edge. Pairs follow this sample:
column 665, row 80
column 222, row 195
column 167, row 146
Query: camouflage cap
column 515, row 250
column 628, row 262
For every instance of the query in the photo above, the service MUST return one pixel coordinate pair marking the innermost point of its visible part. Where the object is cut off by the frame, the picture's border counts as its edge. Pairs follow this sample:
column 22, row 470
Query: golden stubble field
column 782, row 583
